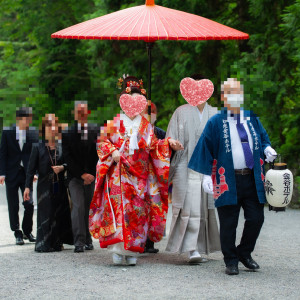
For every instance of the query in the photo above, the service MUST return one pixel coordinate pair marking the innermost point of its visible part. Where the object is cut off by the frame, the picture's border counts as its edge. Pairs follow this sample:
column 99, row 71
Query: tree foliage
column 50, row 74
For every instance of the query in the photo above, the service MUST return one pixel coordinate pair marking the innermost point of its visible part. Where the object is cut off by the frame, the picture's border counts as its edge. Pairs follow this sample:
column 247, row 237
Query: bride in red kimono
column 131, row 193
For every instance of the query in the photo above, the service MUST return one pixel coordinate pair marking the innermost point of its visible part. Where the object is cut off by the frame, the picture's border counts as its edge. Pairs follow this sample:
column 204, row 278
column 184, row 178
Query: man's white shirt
column 21, row 137
column 238, row 156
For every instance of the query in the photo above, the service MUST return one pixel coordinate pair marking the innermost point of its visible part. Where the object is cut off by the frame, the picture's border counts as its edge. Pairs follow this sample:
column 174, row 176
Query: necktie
column 245, row 144
column 83, row 130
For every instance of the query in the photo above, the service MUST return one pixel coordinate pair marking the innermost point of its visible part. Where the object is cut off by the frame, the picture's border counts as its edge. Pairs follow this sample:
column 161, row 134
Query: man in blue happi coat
column 230, row 153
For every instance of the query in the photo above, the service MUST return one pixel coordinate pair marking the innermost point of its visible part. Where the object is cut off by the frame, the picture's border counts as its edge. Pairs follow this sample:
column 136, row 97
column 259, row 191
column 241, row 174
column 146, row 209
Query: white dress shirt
column 84, row 132
column 238, row 156
column 21, row 137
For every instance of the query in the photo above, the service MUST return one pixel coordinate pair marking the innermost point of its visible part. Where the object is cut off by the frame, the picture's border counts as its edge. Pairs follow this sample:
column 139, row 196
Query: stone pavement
column 25, row 274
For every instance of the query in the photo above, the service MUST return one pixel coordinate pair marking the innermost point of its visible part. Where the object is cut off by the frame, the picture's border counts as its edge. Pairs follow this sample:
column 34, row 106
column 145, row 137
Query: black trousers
column 12, row 195
column 229, row 216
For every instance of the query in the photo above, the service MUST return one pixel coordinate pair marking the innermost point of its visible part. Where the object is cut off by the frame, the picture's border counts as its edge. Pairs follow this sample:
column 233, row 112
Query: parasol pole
column 149, row 46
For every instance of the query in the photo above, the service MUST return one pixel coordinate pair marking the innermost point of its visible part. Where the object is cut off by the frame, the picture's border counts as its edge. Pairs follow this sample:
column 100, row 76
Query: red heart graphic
column 196, row 92
column 132, row 106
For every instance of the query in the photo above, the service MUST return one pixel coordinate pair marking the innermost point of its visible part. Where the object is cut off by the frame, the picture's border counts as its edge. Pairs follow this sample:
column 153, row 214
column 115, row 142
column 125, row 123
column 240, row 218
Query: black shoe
column 19, row 240
column 249, row 263
column 78, row 249
column 58, row 247
column 29, row 237
column 89, row 246
column 232, row 270
column 151, row 250
column 44, row 250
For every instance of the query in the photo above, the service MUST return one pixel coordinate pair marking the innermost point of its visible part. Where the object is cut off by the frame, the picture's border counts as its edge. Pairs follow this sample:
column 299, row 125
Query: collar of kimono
column 131, row 131
column 233, row 117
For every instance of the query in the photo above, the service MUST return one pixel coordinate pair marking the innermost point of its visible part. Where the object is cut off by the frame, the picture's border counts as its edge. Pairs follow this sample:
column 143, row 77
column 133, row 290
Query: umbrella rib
column 233, row 32
column 127, row 23
column 97, row 28
column 140, row 15
column 164, row 26
column 94, row 23
column 109, row 24
column 156, row 25
column 159, row 17
column 149, row 20
column 187, row 24
column 141, row 26
column 155, row 11
column 212, row 30
column 188, row 27
column 178, row 23
column 194, row 29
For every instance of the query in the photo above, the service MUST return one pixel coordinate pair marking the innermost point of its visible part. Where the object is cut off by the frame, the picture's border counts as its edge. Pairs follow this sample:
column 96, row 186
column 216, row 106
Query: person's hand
column 87, row 178
column 271, row 154
column 207, row 184
column 35, row 178
column 26, row 195
column 2, row 179
column 57, row 169
column 175, row 145
column 116, row 155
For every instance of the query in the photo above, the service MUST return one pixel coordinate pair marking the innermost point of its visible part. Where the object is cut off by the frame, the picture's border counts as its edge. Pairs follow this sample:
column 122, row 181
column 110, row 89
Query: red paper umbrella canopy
column 150, row 23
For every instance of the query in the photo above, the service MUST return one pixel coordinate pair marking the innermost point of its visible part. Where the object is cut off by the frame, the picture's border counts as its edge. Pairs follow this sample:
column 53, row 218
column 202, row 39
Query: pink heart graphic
column 132, row 106
column 196, row 92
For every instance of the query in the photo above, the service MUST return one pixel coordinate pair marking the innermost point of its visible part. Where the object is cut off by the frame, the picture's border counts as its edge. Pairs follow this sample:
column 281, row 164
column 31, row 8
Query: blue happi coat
column 213, row 156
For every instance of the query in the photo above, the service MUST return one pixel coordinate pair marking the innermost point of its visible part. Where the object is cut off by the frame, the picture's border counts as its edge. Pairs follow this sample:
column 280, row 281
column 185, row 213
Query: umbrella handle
column 149, row 47
column 149, row 111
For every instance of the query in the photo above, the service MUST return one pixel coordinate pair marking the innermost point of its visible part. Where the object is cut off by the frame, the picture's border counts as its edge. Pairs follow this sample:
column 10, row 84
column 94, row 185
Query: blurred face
column 134, row 95
column 233, row 95
column 24, row 122
column 153, row 113
column 51, row 127
column 81, row 113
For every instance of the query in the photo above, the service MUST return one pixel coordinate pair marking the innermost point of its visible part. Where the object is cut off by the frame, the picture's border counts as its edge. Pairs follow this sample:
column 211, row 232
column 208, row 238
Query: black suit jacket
column 41, row 163
column 160, row 133
column 80, row 155
column 11, row 154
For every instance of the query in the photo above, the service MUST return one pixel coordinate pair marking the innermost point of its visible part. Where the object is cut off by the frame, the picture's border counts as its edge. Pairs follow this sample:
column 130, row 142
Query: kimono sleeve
column 172, row 130
column 203, row 155
column 99, row 201
column 105, row 149
column 158, row 182
column 107, row 142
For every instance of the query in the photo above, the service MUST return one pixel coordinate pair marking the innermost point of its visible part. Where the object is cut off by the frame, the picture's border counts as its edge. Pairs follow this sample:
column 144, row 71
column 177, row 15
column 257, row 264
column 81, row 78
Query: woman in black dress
column 53, row 210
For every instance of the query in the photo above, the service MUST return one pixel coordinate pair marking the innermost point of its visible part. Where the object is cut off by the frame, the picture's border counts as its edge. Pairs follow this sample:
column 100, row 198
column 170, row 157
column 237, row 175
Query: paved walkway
column 25, row 274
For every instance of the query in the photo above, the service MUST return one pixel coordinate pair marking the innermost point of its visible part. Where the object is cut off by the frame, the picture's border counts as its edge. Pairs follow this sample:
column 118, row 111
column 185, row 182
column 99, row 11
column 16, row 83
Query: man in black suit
column 15, row 149
column 80, row 153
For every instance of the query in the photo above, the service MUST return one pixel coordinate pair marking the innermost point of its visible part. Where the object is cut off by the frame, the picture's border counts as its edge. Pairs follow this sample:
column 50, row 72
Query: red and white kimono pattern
column 131, row 198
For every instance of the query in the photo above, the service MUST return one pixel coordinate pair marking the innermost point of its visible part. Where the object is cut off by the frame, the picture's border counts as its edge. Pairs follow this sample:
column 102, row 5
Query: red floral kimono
column 131, row 198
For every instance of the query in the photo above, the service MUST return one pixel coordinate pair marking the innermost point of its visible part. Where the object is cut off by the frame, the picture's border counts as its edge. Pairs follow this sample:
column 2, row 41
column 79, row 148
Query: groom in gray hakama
column 194, row 228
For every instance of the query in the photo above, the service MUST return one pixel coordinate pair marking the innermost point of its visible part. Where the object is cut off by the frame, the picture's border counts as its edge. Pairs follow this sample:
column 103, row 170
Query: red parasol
column 150, row 23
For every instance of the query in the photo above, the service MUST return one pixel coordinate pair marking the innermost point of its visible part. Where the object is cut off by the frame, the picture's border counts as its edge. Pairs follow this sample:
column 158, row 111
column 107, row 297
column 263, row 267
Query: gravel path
column 25, row 274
